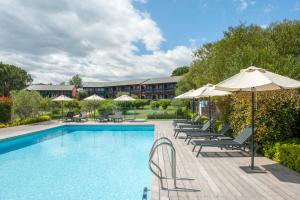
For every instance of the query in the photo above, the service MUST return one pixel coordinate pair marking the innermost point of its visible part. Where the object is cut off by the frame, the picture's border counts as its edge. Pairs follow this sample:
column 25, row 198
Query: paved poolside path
column 216, row 174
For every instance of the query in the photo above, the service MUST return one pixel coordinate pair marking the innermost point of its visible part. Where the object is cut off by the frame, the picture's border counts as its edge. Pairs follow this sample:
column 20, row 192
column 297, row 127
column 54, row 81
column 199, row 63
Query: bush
column 154, row 105
column 25, row 103
column 140, row 103
column 285, row 152
column 5, row 109
column 107, row 107
column 275, row 116
column 164, row 103
column 28, row 120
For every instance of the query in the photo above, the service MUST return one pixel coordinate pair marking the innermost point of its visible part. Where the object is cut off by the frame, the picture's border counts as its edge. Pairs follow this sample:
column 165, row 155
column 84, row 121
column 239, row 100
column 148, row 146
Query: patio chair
column 69, row 117
column 187, row 131
column 236, row 143
column 186, row 121
column 103, row 118
column 220, row 135
column 117, row 117
column 82, row 116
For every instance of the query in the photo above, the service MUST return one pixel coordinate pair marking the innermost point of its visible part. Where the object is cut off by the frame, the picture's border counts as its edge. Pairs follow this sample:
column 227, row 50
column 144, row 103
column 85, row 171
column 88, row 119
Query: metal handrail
column 160, row 142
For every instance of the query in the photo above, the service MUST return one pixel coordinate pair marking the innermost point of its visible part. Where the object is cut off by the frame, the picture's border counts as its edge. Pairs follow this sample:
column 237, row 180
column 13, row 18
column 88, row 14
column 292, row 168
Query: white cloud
column 244, row 4
column 269, row 8
column 296, row 6
column 97, row 39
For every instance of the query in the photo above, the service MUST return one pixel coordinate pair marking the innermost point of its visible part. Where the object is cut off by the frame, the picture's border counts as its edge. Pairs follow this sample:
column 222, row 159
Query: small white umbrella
column 62, row 98
column 256, row 79
column 124, row 98
column 209, row 91
column 94, row 98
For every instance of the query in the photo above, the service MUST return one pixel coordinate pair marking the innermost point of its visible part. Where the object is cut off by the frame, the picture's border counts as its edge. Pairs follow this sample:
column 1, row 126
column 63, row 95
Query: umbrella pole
column 62, row 111
column 209, row 107
column 253, row 137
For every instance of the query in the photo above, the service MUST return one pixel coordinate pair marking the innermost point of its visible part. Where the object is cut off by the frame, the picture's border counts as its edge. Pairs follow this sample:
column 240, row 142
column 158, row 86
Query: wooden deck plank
column 216, row 174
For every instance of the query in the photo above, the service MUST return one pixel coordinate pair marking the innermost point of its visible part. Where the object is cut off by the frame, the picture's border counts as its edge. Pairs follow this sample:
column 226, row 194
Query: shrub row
column 28, row 120
column 286, row 153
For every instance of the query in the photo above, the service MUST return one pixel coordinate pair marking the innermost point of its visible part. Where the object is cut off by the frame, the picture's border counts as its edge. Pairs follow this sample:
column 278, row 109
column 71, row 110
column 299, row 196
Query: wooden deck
column 217, row 174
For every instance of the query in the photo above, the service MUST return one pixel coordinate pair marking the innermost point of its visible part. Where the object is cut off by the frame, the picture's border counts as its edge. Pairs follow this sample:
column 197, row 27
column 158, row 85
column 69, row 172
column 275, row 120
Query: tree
column 12, row 78
column 26, row 103
column 76, row 80
column 276, row 48
column 179, row 71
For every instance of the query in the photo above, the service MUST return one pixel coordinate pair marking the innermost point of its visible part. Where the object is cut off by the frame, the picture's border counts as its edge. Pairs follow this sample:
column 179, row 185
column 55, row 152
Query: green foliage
column 5, row 109
column 275, row 48
column 154, row 105
column 72, row 105
column 25, row 103
column 46, row 104
column 81, row 94
column 27, row 120
column 164, row 103
column 107, row 107
column 12, row 78
column 140, row 103
column 223, row 104
column 76, row 80
column 285, row 152
column 275, row 117
column 89, row 106
column 179, row 71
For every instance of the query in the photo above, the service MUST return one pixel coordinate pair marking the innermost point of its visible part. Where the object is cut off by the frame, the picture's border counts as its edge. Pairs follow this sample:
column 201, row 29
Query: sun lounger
column 81, row 116
column 207, row 134
column 204, row 128
column 187, row 121
column 236, row 143
column 69, row 117
column 103, row 118
column 117, row 117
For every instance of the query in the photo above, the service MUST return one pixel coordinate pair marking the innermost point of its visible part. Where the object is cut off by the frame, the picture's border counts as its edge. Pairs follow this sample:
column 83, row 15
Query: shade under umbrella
column 208, row 90
column 256, row 79
column 94, row 98
column 62, row 98
column 124, row 98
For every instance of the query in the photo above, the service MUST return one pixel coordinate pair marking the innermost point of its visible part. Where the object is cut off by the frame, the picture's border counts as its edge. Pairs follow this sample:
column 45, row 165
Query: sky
column 111, row 40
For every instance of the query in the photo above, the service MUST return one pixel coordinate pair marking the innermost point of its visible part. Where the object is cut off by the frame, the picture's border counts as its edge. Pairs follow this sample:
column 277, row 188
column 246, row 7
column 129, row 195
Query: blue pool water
column 77, row 162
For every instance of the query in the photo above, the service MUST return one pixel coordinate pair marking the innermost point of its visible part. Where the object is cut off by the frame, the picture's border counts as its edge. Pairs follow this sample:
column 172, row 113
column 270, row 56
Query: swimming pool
column 77, row 162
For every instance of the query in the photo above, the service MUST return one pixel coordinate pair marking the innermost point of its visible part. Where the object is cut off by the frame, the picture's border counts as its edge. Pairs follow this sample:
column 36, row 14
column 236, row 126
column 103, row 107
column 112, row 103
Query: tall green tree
column 276, row 48
column 12, row 78
column 76, row 80
column 179, row 71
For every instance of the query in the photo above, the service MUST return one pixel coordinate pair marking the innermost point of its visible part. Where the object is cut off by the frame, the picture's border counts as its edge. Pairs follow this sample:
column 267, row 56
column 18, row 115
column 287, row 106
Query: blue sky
column 110, row 40
column 198, row 21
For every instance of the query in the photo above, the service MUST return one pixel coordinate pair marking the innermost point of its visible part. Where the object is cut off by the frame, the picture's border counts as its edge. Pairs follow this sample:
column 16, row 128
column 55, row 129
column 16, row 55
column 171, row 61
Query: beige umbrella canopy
column 124, row 98
column 185, row 95
column 62, row 98
column 208, row 90
column 94, row 98
column 256, row 79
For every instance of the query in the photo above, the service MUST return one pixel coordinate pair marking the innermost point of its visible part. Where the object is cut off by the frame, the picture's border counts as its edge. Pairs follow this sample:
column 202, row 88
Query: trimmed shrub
column 154, row 105
column 164, row 103
column 275, row 116
column 140, row 103
column 28, row 120
column 5, row 109
column 107, row 107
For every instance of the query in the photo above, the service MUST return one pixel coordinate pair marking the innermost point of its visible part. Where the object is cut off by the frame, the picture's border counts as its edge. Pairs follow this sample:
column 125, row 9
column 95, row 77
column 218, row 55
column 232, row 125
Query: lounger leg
column 176, row 135
column 194, row 148
column 199, row 151
column 186, row 138
column 189, row 140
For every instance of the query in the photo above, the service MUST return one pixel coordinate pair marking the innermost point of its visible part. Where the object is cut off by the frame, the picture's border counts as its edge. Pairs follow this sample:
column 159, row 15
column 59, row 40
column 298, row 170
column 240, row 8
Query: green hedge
column 5, row 109
column 275, row 117
column 285, row 152
column 28, row 120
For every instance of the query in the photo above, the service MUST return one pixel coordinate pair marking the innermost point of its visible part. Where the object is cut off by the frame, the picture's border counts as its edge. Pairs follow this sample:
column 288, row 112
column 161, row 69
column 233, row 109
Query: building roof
column 115, row 83
column 170, row 79
column 51, row 87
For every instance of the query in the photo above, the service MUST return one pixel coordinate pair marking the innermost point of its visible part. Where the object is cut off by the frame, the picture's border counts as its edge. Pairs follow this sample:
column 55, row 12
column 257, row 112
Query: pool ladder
column 163, row 141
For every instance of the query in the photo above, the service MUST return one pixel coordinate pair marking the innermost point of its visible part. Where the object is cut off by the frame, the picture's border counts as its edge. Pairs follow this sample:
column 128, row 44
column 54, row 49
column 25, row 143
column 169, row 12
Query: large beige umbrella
column 94, row 98
column 209, row 91
column 62, row 98
column 256, row 79
column 185, row 95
